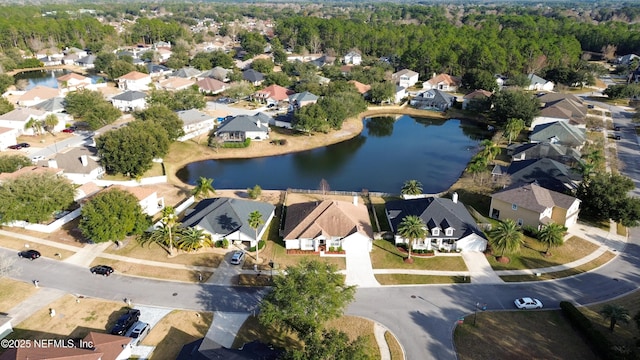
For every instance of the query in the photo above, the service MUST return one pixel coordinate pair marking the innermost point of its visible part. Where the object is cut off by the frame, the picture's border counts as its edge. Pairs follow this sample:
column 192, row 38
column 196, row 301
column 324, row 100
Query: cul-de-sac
column 321, row 180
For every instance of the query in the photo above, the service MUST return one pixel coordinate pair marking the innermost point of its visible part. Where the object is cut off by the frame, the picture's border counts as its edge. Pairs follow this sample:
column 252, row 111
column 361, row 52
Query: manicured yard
column 624, row 334
column 386, row 256
column 210, row 257
column 531, row 254
column 178, row 328
column 519, row 335
column 135, row 269
column 13, row 292
column 408, row 279
column 599, row 261
column 394, row 346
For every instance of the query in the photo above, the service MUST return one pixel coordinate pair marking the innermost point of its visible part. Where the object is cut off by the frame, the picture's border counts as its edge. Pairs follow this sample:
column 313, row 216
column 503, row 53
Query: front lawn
column 210, row 257
column 45, row 251
column 178, row 328
column 408, row 279
column 14, row 292
column 158, row 272
column 386, row 256
column 599, row 261
column 531, row 254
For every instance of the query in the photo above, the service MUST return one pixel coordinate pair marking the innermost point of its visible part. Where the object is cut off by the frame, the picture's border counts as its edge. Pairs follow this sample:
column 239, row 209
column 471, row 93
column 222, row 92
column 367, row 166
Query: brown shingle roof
column 140, row 192
column 39, row 93
column 134, row 75
column 275, row 92
column 534, row 197
column 109, row 345
column 28, row 170
column 50, row 353
column 70, row 76
column 444, row 78
column 329, row 218
column 362, row 88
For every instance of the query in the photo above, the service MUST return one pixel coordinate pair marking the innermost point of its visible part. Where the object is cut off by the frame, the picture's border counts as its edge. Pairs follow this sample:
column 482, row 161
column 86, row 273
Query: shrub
column 332, row 249
column 236, row 145
column 261, row 245
column 530, row 231
column 283, row 141
column 254, row 192
column 340, row 249
column 600, row 343
column 218, row 243
column 225, row 243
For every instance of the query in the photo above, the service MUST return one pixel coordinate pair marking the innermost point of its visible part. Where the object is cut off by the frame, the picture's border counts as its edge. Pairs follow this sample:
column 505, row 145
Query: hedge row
column 233, row 145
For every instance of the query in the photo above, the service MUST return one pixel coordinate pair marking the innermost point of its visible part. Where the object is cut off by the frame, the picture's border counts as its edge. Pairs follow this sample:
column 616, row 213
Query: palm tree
column 169, row 221
column 34, row 124
column 615, row 313
column 552, row 235
column 411, row 187
column 506, row 237
column 412, row 228
column 477, row 165
column 255, row 220
column 191, row 239
column 490, row 150
column 204, row 187
column 50, row 122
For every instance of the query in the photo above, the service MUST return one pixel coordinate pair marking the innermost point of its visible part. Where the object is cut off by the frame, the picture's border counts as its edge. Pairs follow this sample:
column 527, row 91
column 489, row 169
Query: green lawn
column 599, row 261
column 408, row 279
column 531, row 254
column 386, row 256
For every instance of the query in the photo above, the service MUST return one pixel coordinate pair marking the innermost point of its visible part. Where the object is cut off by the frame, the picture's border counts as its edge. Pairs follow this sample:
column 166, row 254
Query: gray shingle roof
column 565, row 134
column 252, row 75
column 545, row 172
column 223, row 216
column 55, row 104
column 130, row 96
column 243, row 123
column 302, row 97
column 186, row 72
column 557, row 152
column 435, row 211
column 193, row 116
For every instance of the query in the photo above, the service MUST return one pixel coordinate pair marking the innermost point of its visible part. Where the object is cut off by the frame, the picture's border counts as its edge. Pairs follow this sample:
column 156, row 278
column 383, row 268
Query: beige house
column 37, row 95
column 320, row 226
column 72, row 82
column 147, row 197
column 533, row 205
column 134, row 80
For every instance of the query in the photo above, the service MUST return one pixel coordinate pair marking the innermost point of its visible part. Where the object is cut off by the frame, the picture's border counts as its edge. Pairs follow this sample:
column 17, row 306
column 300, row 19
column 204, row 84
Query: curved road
column 422, row 317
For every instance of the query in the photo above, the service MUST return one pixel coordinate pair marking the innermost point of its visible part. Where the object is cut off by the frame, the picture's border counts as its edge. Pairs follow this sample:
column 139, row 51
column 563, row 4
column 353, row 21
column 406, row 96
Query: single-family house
column 324, row 60
column 187, row 73
column 559, row 132
column 86, row 190
column 37, row 95
column 363, row 89
column 449, row 226
column 195, row 123
column 86, row 62
column 562, row 154
column 130, row 100
column 176, row 83
column 8, row 137
column 158, row 70
column 75, row 51
column 147, row 197
column 18, row 118
column 50, row 61
column 353, row 57
column 134, row 80
column 164, row 54
column 80, row 164
column 545, row 172
column 272, row 94
column 254, row 77
column 225, row 217
column 534, row 205
column 320, row 226
column 400, row 93
column 53, row 105
column 477, row 100
column 29, row 170
column 5, row 326
column 218, row 73
column 242, row 127
column 208, row 349
column 73, row 82
column 299, row 100
column 96, row 346
column 561, row 107
column 442, row 82
column 405, row 77
column 536, row 83
column 433, row 100
column 626, row 59
column 284, row 120
column 211, row 86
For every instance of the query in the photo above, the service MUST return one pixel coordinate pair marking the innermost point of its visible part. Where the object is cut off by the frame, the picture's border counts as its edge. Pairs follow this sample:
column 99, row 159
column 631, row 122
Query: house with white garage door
column 321, row 226
column 449, row 226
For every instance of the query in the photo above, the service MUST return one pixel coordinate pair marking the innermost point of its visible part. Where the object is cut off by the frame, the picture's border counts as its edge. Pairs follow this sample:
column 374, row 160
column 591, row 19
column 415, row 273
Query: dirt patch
column 175, row 330
column 13, row 292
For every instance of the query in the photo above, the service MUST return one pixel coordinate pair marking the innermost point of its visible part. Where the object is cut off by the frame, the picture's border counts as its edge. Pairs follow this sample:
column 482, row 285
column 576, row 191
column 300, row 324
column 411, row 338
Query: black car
column 15, row 147
column 125, row 321
column 102, row 270
column 24, row 145
column 29, row 254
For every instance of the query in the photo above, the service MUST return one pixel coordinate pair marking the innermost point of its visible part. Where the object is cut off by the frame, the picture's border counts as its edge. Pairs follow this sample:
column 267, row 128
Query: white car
column 37, row 158
column 528, row 303
column 237, row 257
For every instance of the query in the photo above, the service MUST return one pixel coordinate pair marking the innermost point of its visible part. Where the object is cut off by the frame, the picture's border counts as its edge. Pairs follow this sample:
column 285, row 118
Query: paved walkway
column 378, row 332
column 359, row 270
column 479, row 268
column 86, row 255
column 40, row 299
column 225, row 326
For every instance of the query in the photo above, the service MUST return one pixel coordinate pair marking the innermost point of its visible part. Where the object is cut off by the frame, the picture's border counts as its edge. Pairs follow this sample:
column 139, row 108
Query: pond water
column 47, row 78
column 386, row 154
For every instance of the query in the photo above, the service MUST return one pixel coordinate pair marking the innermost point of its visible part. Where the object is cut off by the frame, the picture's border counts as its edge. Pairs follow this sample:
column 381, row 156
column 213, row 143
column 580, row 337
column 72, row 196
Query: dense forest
column 507, row 39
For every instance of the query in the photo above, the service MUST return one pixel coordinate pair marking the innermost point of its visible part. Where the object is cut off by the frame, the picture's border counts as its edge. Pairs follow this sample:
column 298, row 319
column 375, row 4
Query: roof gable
column 534, row 197
column 223, row 216
column 329, row 218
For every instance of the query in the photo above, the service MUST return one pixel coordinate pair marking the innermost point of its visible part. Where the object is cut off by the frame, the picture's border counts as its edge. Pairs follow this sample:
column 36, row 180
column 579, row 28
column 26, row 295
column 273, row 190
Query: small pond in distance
column 46, row 78
column 386, row 154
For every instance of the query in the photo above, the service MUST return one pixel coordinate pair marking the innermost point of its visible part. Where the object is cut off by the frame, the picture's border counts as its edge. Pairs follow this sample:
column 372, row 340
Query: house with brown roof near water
column 72, row 82
column 533, row 205
column 320, row 226
column 37, row 95
column 442, row 82
column 362, row 88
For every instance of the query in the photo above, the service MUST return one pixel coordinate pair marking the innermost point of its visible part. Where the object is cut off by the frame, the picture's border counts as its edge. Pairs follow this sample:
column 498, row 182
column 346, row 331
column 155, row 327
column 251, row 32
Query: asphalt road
column 422, row 317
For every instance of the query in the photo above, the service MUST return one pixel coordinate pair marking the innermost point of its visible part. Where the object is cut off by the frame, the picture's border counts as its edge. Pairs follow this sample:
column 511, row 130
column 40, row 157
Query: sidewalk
column 43, row 297
column 87, row 254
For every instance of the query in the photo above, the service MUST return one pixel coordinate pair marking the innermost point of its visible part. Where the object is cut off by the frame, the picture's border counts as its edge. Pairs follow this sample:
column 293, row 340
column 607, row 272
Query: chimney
column 454, row 197
column 83, row 160
column 52, row 163
column 433, row 76
column 355, row 200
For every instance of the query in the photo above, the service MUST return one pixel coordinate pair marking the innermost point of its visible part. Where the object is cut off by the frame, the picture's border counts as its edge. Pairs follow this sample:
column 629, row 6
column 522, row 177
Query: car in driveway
column 237, row 257
column 138, row 332
column 24, row 145
column 29, row 254
column 528, row 303
column 69, row 130
column 125, row 322
column 37, row 158
column 103, row 270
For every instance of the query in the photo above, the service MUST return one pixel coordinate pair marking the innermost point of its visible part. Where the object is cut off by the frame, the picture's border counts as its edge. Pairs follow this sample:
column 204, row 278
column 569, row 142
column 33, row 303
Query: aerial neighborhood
column 318, row 181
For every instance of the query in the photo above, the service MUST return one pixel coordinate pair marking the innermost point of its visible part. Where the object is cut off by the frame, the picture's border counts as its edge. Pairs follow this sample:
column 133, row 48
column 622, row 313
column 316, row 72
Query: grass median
column 157, row 272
